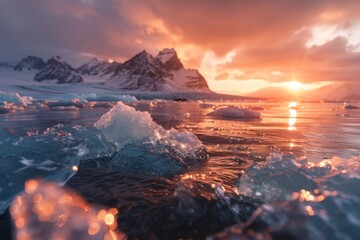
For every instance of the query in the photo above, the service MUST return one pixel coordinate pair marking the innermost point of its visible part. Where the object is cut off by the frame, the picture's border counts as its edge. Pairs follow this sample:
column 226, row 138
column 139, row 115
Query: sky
column 238, row 45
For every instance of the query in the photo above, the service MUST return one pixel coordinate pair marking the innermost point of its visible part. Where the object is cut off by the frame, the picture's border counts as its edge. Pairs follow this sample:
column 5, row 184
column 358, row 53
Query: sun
column 294, row 86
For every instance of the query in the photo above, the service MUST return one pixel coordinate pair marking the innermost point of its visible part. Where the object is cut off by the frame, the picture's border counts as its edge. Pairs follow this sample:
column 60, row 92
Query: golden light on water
column 292, row 116
column 31, row 185
column 109, row 219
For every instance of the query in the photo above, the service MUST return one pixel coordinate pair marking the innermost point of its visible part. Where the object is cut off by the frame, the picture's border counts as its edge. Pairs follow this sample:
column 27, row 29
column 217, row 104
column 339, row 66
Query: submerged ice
column 52, row 155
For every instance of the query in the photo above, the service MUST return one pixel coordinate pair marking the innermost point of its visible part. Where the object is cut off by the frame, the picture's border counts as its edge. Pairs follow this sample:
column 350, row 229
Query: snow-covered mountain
column 336, row 92
column 279, row 93
column 30, row 63
column 96, row 67
column 332, row 92
column 187, row 78
column 143, row 72
column 56, row 69
column 164, row 72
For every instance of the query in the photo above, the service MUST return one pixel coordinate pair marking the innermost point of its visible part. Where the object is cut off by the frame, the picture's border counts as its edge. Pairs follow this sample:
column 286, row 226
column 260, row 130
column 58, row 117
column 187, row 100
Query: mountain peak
column 99, row 67
column 144, row 55
column 56, row 59
column 169, row 58
column 30, row 63
column 56, row 69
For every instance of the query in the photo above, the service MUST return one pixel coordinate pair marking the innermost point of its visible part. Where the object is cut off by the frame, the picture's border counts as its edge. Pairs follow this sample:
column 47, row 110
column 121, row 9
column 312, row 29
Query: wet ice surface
column 205, row 198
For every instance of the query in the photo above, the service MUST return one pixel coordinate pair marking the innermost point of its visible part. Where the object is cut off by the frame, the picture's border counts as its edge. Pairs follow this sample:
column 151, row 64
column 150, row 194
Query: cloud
column 308, row 40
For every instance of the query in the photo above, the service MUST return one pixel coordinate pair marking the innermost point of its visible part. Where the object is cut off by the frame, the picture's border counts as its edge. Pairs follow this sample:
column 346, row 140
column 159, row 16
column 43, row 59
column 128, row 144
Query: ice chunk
column 234, row 113
column 46, row 211
column 13, row 102
column 282, row 175
column 53, row 155
column 332, row 216
column 325, row 206
column 275, row 179
column 15, row 98
column 80, row 101
column 140, row 141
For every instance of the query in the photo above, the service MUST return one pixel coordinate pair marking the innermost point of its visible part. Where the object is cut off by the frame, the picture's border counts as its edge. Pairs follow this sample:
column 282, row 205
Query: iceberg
column 232, row 112
column 144, row 146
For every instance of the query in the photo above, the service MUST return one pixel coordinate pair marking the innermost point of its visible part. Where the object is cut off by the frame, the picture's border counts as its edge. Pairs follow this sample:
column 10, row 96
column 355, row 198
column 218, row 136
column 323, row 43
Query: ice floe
column 233, row 112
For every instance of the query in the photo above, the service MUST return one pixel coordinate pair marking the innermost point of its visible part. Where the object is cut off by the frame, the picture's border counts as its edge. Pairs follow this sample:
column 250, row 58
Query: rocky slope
column 143, row 72
column 96, row 67
column 30, row 63
column 165, row 72
column 56, row 69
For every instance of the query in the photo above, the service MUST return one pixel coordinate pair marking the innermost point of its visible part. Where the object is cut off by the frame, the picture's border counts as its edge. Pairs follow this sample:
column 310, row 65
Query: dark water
column 204, row 199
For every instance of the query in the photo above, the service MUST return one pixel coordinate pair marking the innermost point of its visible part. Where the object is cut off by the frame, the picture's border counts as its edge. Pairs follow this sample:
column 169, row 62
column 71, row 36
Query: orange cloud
column 284, row 36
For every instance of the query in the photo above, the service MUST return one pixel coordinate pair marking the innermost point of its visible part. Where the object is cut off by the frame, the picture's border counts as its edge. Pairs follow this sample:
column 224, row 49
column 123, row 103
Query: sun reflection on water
column 292, row 116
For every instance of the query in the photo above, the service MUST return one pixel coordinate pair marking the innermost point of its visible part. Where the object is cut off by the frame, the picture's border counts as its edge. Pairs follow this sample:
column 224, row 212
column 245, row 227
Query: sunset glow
column 233, row 54
column 294, row 86
column 158, row 119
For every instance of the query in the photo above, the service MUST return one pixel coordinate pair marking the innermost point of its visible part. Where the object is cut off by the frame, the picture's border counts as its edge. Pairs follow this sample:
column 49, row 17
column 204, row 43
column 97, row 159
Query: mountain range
column 331, row 92
column 143, row 72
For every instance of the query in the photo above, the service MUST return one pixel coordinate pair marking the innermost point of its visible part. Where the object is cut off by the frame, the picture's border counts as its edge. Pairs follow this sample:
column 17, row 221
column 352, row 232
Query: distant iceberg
column 233, row 112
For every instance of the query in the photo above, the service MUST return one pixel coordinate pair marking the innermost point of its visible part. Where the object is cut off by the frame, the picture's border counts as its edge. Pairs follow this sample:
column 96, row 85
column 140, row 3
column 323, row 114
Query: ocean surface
column 292, row 173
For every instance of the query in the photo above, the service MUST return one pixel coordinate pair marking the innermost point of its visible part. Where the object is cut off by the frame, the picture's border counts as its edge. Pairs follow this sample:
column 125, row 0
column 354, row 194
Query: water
column 207, row 197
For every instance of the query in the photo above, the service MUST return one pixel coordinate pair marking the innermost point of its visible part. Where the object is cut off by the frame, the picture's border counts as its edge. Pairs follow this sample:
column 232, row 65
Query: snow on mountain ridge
column 30, row 63
column 166, row 54
column 165, row 72
column 143, row 72
column 336, row 92
column 98, row 67
column 56, row 69
column 331, row 92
